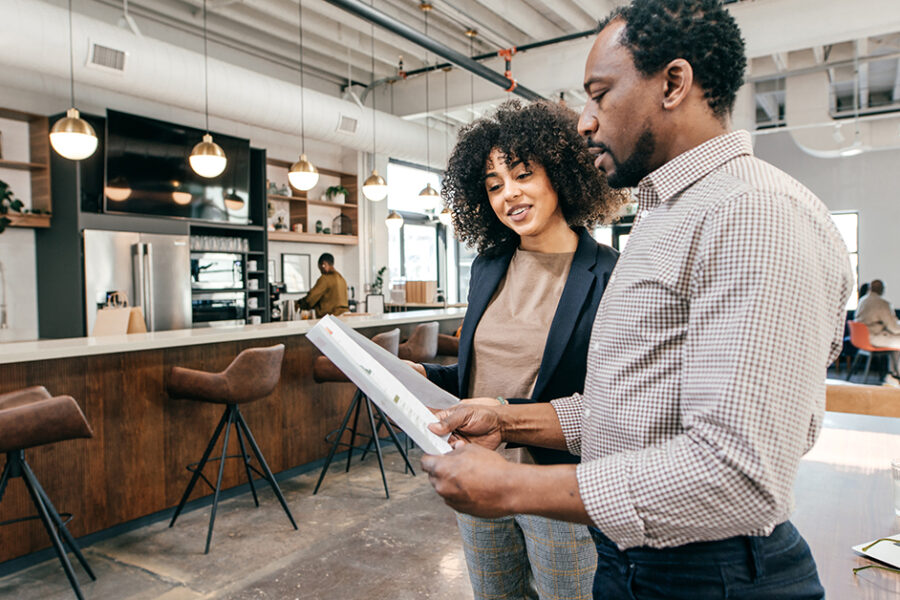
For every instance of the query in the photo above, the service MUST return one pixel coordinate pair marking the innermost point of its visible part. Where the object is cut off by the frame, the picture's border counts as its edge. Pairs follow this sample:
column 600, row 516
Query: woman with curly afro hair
column 523, row 190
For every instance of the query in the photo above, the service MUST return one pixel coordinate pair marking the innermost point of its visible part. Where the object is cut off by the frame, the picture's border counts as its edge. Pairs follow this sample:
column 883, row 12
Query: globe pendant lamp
column 429, row 196
column 233, row 201
column 207, row 158
column 375, row 187
column 303, row 174
column 72, row 137
column 446, row 216
column 394, row 221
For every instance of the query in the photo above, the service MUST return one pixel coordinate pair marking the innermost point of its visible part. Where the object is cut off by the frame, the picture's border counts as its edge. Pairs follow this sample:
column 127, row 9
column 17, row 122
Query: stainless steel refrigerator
column 153, row 270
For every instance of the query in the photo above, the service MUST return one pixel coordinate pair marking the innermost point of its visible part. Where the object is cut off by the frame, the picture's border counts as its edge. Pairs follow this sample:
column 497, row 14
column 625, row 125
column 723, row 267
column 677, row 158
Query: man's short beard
column 637, row 166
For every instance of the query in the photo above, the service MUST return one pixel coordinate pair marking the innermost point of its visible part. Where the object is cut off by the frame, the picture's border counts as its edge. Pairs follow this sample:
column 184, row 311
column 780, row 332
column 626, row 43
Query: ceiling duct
column 168, row 74
column 364, row 11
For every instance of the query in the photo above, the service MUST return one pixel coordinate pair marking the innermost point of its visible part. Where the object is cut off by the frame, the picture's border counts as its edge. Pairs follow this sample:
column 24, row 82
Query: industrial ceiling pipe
column 364, row 11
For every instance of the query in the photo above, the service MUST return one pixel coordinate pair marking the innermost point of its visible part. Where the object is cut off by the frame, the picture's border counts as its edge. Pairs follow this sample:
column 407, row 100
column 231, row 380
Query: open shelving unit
column 300, row 213
column 38, row 164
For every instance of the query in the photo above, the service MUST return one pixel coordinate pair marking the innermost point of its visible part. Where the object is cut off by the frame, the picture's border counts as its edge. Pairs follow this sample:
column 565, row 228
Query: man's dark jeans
column 779, row 566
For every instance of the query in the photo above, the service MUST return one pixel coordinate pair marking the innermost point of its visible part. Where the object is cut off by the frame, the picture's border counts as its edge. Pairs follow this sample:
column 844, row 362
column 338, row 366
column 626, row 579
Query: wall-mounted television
column 147, row 172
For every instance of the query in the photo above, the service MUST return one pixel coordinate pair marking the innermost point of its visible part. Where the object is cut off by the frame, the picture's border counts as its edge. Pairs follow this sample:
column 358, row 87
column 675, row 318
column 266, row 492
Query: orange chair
column 859, row 337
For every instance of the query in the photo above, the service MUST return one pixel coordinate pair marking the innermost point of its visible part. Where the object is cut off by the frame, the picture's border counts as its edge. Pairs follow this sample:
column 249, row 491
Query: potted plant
column 378, row 284
column 337, row 194
column 8, row 203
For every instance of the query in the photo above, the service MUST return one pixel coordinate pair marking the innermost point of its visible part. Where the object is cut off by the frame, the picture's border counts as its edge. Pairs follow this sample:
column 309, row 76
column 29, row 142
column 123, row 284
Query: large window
column 848, row 224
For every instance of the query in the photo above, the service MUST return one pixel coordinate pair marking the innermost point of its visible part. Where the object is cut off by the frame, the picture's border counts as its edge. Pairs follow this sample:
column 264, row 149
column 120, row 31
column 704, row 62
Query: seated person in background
column 522, row 188
column 884, row 328
column 329, row 295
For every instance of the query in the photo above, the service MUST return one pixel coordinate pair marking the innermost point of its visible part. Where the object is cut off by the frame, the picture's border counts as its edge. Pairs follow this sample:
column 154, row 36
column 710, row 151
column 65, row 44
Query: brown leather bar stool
column 448, row 345
column 252, row 375
column 30, row 418
column 422, row 346
column 323, row 371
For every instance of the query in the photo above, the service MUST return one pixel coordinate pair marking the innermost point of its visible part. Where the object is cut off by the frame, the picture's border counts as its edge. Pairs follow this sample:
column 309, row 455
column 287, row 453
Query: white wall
column 18, row 258
column 868, row 183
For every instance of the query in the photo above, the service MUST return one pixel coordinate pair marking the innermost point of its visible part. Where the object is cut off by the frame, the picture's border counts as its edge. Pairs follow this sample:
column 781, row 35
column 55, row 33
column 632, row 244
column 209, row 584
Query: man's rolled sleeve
column 569, row 410
column 608, row 501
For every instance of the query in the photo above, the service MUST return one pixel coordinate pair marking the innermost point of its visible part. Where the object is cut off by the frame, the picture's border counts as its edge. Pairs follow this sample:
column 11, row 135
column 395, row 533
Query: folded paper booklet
column 395, row 387
column 887, row 551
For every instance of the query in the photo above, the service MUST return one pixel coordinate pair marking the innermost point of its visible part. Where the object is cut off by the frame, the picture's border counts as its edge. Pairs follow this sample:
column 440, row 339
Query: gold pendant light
column 428, row 195
column 207, row 158
column 303, row 174
column 375, row 187
column 394, row 221
column 72, row 137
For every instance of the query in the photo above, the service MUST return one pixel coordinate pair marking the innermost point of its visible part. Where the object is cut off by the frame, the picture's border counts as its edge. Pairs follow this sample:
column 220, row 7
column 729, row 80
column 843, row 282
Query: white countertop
column 19, row 352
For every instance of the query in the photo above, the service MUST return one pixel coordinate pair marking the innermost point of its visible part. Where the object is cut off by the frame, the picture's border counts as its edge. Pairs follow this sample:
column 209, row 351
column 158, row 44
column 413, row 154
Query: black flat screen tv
column 148, row 173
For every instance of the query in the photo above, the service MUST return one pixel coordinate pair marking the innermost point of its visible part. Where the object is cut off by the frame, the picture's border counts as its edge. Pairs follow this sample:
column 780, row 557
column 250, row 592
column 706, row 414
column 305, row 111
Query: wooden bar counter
column 135, row 464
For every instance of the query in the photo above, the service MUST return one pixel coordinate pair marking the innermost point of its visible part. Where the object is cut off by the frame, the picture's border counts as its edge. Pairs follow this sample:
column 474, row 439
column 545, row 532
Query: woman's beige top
column 509, row 341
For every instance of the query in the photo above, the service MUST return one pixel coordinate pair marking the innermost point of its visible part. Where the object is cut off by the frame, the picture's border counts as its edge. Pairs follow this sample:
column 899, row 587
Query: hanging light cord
column 302, row 102
column 372, row 91
column 427, row 132
column 472, row 80
column 446, row 116
column 205, row 64
column 71, row 59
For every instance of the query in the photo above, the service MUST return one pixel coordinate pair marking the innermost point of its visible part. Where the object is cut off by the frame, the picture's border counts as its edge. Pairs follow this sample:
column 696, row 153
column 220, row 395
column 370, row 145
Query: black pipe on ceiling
column 364, row 11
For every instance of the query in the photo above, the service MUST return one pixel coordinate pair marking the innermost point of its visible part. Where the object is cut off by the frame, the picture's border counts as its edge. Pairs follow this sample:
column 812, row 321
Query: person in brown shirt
column 329, row 295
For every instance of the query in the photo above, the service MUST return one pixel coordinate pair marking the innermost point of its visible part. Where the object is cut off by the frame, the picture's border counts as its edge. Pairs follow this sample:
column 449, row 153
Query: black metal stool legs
column 262, row 461
column 232, row 417
column 353, row 436
column 377, row 448
column 200, row 465
column 387, row 424
column 337, row 440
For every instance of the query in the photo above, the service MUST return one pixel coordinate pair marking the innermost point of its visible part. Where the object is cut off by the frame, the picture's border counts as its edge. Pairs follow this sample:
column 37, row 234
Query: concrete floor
column 351, row 543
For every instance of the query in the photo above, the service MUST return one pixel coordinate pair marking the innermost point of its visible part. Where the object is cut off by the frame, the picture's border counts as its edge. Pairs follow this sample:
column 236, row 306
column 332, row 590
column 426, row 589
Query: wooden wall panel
column 135, row 463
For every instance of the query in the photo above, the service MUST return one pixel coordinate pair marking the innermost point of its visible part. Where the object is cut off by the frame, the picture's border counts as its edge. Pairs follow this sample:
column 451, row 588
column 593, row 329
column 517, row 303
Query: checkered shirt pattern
column 706, row 369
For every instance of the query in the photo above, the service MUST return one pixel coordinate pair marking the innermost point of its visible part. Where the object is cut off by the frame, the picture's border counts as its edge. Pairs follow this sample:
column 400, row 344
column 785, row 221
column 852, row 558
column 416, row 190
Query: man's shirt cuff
column 569, row 410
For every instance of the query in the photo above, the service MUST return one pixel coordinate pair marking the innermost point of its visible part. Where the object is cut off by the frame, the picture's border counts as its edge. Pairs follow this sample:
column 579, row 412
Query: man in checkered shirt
column 706, row 370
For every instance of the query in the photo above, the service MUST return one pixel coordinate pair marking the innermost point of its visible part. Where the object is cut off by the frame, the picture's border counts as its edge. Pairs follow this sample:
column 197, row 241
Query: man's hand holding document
column 395, row 387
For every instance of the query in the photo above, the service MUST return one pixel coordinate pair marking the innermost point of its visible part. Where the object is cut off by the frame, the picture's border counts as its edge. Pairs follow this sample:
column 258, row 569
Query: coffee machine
column 276, row 289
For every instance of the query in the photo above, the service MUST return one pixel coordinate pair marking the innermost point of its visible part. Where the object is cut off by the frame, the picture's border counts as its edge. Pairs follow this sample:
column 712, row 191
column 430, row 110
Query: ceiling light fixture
column 118, row 190
column 72, row 137
column 303, row 175
column 375, row 187
column 394, row 221
column 233, row 201
column 207, row 158
column 428, row 195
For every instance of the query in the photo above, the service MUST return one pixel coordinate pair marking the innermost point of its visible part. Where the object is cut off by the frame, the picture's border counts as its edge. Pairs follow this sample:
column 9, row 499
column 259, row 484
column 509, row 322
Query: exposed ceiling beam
column 598, row 9
column 527, row 19
column 493, row 30
column 574, row 17
column 819, row 54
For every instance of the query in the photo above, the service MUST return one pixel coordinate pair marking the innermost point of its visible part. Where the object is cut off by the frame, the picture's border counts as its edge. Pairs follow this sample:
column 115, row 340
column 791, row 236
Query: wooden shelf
column 28, row 220
column 313, row 202
column 313, row 238
column 22, row 166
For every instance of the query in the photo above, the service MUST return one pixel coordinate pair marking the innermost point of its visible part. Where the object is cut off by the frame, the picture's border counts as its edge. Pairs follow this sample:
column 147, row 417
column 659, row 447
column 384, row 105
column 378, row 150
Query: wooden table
column 843, row 495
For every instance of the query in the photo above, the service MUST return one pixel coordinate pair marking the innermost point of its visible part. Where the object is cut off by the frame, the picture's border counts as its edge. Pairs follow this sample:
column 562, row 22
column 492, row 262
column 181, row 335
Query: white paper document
column 398, row 390
column 886, row 551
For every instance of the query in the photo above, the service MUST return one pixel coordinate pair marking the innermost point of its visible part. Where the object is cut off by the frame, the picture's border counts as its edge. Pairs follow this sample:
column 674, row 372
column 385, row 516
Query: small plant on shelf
column 378, row 284
column 8, row 203
column 337, row 193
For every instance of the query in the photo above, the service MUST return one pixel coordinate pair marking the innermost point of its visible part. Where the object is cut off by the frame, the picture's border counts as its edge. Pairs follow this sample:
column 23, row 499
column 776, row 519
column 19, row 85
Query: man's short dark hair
column 701, row 32
column 326, row 258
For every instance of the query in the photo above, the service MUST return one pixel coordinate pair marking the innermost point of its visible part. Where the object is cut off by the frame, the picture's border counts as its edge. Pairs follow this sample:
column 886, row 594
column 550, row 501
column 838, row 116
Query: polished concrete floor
column 352, row 543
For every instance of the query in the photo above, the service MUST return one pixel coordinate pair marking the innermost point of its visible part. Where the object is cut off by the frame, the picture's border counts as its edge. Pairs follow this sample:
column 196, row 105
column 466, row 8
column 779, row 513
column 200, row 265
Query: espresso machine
column 276, row 289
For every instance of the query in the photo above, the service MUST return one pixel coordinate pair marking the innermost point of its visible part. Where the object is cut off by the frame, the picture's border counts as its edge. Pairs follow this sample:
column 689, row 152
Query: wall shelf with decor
column 305, row 212
column 313, row 238
column 28, row 152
